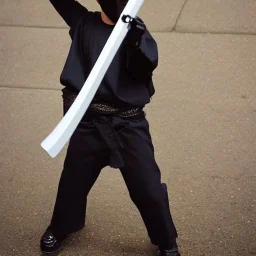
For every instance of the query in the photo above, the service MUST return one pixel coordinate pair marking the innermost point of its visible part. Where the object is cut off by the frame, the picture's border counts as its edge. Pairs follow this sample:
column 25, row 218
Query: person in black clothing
column 114, row 130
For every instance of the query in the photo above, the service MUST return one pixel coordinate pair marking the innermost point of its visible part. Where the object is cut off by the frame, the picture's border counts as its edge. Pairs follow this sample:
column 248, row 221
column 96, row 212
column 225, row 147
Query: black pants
column 88, row 152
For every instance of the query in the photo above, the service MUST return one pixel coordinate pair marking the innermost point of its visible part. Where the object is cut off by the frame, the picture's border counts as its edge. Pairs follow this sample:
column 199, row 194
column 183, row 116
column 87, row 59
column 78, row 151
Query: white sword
column 55, row 142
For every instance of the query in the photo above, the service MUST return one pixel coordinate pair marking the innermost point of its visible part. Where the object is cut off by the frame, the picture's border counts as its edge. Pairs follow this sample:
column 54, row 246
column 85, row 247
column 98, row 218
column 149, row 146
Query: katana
column 57, row 139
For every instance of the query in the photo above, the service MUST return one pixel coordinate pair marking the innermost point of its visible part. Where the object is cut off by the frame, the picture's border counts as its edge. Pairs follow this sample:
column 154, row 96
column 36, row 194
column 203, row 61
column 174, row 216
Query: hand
column 136, row 32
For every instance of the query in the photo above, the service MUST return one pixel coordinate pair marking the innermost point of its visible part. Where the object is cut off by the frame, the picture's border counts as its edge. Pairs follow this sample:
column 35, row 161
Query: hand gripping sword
column 57, row 139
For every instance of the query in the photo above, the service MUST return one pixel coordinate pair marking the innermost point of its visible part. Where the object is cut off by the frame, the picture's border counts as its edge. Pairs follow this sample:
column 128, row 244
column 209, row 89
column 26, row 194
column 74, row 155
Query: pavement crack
column 181, row 10
column 28, row 88
column 173, row 30
column 32, row 26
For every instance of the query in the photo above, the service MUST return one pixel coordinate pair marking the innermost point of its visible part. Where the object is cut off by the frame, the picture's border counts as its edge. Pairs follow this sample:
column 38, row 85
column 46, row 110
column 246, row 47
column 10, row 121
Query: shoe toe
column 171, row 252
column 49, row 243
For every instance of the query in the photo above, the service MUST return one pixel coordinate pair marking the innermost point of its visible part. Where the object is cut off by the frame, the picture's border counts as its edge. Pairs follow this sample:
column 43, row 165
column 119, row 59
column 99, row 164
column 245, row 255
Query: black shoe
column 50, row 243
column 168, row 252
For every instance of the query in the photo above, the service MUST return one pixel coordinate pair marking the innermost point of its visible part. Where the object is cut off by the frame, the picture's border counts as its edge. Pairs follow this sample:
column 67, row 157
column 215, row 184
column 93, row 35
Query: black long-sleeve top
column 128, row 81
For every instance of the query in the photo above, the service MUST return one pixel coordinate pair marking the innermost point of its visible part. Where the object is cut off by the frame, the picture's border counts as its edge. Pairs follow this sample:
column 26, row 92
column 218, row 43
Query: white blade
column 55, row 142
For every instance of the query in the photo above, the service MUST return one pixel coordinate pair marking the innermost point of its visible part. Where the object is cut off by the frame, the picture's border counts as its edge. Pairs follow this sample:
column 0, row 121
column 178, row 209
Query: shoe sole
column 51, row 253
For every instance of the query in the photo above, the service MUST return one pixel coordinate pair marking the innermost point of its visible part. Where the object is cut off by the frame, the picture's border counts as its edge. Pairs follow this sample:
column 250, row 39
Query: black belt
column 106, row 126
column 107, row 132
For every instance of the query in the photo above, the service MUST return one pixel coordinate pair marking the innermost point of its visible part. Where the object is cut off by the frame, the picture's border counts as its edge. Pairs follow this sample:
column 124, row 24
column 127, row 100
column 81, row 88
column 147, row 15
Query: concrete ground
column 202, row 117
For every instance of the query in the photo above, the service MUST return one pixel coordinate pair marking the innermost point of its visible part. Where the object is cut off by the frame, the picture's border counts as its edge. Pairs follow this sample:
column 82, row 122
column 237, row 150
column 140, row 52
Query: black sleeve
column 142, row 61
column 69, row 10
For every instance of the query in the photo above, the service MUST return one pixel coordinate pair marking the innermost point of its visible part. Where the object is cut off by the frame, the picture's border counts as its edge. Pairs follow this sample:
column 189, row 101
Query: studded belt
column 102, row 108
column 106, row 109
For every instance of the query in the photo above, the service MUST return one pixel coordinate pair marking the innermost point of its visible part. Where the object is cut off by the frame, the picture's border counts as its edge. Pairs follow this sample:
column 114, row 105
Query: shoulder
column 92, row 17
column 85, row 20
